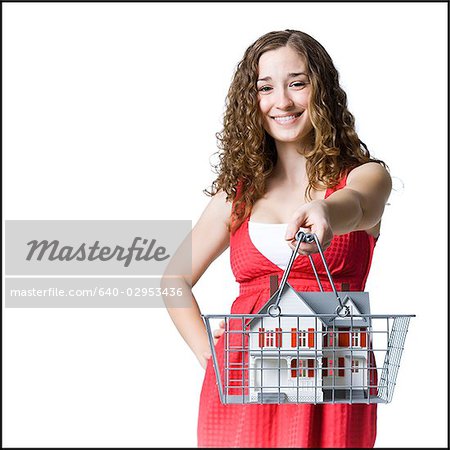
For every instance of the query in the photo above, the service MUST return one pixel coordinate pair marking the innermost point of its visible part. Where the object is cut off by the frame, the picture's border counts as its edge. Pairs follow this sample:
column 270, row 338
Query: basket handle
column 275, row 310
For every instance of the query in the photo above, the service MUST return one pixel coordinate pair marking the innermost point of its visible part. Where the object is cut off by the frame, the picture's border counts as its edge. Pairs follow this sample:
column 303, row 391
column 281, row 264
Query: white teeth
column 286, row 118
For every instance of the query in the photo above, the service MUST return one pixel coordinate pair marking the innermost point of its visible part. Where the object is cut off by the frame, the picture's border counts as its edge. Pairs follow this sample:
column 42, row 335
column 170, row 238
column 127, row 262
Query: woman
column 290, row 158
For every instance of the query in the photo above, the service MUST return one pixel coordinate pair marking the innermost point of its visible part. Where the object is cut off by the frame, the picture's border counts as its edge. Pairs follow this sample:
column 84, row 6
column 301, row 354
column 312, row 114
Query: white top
column 268, row 238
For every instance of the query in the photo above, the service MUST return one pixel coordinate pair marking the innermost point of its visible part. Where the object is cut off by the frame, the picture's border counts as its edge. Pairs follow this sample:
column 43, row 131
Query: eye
column 299, row 84
column 264, row 89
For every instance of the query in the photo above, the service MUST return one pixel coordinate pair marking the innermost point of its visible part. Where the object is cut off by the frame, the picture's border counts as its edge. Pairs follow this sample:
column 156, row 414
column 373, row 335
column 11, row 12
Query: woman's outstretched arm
column 357, row 206
column 209, row 239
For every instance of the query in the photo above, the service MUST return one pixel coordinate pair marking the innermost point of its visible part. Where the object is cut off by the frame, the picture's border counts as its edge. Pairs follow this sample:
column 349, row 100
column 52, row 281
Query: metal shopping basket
column 308, row 347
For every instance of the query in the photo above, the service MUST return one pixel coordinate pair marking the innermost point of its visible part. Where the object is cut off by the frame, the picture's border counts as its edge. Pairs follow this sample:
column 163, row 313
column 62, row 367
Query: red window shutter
column 341, row 363
column 261, row 337
column 311, row 368
column 293, row 337
column 310, row 337
column 343, row 337
column 278, row 337
column 324, row 365
column 269, row 339
column 363, row 337
column 293, row 367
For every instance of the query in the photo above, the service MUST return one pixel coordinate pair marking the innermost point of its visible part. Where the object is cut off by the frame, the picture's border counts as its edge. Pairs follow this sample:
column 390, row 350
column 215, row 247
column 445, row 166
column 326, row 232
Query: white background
column 110, row 111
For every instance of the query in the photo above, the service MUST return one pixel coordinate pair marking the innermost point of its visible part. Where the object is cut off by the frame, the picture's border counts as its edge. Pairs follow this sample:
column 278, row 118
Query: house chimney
column 273, row 284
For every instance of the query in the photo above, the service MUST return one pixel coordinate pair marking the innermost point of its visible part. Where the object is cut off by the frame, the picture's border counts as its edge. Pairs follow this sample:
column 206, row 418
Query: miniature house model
column 319, row 358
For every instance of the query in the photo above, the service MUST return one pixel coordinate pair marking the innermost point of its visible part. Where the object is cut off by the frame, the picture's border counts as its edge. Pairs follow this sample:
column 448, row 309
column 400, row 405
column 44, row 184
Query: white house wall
column 289, row 304
column 271, row 380
column 277, row 360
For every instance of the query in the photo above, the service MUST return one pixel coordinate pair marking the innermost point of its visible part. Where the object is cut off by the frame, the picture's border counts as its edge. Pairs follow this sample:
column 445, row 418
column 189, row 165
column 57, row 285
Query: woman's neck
column 290, row 167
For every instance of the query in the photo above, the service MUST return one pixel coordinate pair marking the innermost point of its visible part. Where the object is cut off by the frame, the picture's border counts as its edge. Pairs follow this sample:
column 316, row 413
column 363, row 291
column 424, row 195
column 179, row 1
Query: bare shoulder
column 215, row 218
column 210, row 235
column 219, row 209
column 371, row 170
column 371, row 176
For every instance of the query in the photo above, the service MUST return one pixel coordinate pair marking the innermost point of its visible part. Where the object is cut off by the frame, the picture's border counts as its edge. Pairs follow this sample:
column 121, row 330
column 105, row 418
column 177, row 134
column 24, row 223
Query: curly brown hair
column 247, row 153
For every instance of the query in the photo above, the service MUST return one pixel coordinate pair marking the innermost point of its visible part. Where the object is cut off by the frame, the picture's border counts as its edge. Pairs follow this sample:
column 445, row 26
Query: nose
column 283, row 100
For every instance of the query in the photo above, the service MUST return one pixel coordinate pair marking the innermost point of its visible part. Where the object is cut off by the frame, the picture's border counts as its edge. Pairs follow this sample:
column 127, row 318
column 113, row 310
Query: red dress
column 288, row 425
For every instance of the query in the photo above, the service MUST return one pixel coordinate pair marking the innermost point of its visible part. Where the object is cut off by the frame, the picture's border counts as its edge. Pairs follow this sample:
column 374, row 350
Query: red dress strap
column 342, row 183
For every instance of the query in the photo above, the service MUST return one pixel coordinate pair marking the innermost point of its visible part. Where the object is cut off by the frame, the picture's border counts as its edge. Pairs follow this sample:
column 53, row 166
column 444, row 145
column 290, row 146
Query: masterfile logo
column 97, row 263
column 54, row 251
column 94, row 247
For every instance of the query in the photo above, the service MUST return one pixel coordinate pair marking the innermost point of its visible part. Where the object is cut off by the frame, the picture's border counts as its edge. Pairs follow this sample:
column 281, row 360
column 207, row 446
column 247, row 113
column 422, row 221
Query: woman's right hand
column 206, row 354
column 217, row 333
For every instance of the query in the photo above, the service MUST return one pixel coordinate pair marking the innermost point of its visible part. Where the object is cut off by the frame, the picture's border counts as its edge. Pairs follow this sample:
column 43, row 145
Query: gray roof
column 326, row 303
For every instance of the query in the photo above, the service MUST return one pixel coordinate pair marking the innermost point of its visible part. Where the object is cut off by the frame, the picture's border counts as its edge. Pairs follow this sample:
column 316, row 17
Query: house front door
column 358, row 375
column 271, row 374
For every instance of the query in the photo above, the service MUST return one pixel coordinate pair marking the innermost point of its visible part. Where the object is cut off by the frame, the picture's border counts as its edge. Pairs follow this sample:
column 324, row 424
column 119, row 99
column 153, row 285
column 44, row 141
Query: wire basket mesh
column 290, row 358
column 339, row 354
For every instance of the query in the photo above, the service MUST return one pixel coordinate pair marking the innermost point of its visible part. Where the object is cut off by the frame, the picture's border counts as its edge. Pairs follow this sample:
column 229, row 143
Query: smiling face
column 283, row 95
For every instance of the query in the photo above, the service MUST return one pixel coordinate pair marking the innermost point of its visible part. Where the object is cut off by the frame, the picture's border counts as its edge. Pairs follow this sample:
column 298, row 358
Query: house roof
column 326, row 303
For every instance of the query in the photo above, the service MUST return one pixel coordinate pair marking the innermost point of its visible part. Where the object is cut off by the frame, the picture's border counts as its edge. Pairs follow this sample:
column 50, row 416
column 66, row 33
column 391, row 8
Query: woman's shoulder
column 368, row 169
column 220, row 207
